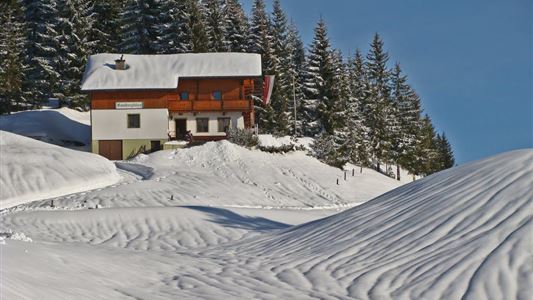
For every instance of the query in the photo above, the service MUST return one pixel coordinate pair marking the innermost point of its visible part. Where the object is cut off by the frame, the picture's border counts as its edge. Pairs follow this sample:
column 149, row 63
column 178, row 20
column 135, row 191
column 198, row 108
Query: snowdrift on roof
column 163, row 71
column 32, row 170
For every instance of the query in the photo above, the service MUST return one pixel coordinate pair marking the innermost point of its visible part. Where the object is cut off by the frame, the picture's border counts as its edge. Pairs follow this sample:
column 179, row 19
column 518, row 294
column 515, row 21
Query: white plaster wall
column 112, row 124
column 237, row 120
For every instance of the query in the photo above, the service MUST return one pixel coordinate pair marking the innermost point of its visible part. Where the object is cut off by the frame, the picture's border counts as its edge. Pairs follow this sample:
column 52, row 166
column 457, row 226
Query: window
column 216, row 95
column 134, row 121
column 155, row 146
column 184, row 95
column 202, row 125
column 223, row 124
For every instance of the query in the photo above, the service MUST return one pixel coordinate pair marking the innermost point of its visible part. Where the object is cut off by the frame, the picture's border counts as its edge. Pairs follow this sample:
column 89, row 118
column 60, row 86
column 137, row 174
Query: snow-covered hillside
column 63, row 126
column 32, row 170
column 464, row 233
column 224, row 174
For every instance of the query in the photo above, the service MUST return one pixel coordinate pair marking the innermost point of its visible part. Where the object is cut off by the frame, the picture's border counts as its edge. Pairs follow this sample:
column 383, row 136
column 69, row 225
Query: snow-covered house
column 139, row 102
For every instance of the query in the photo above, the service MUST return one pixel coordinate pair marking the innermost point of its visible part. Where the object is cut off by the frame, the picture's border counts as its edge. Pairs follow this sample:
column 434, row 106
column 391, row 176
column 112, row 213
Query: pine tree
column 356, row 146
column 376, row 105
column 73, row 28
column 216, row 22
column 174, row 32
column 318, row 84
column 105, row 27
column 445, row 152
column 140, row 29
column 296, row 46
column 198, row 38
column 260, row 41
column 12, row 67
column 41, row 51
column 427, row 154
column 236, row 27
column 259, row 38
column 283, row 54
column 407, row 103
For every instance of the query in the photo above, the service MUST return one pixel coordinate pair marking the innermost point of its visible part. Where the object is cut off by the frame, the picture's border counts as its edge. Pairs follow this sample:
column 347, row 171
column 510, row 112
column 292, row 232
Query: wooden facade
column 236, row 95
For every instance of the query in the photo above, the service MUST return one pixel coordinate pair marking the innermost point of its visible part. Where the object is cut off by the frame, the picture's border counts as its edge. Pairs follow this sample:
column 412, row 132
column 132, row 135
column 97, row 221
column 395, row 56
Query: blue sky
column 470, row 61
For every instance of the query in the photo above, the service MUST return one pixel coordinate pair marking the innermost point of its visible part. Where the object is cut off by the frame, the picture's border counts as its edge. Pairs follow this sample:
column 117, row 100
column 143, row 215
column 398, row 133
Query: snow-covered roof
column 164, row 71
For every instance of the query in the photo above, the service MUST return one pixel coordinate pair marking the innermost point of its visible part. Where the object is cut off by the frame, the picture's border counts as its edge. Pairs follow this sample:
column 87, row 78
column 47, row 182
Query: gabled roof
column 163, row 71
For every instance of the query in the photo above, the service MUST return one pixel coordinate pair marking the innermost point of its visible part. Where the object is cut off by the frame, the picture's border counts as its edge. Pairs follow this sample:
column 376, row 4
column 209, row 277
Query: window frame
column 128, row 124
column 217, row 92
column 228, row 125
column 188, row 95
column 198, row 125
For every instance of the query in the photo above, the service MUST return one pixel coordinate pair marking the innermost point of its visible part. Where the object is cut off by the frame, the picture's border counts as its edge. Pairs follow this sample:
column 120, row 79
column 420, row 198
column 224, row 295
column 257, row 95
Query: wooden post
column 361, row 169
column 353, row 172
column 337, row 181
column 344, row 175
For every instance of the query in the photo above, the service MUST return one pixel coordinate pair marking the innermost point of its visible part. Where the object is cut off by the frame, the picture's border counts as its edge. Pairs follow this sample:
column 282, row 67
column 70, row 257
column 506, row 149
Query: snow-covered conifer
column 73, row 30
column 236, row 28
column 216, row 22
column 140, row 24
column 41, row 51
column 318, row 83
column 105, row 28
column 12, row 45
column 377, row 103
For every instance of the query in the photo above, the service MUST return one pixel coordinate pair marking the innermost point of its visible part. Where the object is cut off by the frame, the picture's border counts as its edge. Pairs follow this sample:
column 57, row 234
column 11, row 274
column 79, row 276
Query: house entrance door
column 181, row 128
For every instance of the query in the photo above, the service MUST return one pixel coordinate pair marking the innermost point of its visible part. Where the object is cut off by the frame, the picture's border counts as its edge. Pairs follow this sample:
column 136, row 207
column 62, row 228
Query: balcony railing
column 209, row 105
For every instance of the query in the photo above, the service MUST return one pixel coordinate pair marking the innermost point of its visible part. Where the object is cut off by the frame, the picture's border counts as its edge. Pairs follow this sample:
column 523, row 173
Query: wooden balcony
column 209, row 105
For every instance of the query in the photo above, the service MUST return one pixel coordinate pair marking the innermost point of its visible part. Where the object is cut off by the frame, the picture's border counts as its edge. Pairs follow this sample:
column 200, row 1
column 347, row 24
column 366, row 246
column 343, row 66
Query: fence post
column 353, row 172
column 345, row 175
column 337, row 181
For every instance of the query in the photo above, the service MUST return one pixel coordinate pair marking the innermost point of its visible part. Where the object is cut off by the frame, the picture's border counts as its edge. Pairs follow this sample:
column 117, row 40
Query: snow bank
column 224, row 174
column 268, row 140
column 464, row 233
column 163, row 71
column 64, row 126
column 32, row 170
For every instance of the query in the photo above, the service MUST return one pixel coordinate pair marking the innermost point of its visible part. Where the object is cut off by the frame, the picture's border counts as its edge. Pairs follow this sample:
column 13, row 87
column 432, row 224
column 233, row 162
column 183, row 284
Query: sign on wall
column 128, row 105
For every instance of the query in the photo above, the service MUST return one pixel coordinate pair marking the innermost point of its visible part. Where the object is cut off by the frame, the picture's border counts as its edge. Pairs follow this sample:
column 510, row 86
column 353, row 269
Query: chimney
column 120, row 64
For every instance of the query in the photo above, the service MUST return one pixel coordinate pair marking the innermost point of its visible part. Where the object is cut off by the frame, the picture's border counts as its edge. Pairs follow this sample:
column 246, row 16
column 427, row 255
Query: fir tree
column 174, row 32
column 296, row 46
column 427, row 154
column 283, row 54
column 74, row 47
column 446, row 157
column 216, row 22
column 356, row 146
column 377, row 103
column 41, row 51
column 105, row 27
column 259, row 38
column 407, row 103
column 196, row 27
column 318, row 84
column 236, row 27
column 12, row 68
column 140, row 28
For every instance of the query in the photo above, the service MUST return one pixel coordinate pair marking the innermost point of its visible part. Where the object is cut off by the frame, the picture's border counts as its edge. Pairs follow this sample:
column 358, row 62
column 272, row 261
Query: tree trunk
column 398, row 172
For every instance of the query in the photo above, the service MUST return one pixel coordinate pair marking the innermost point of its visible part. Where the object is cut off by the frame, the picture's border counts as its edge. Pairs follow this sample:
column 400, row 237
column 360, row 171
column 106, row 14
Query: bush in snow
column 325, row 148
column 243, row 137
